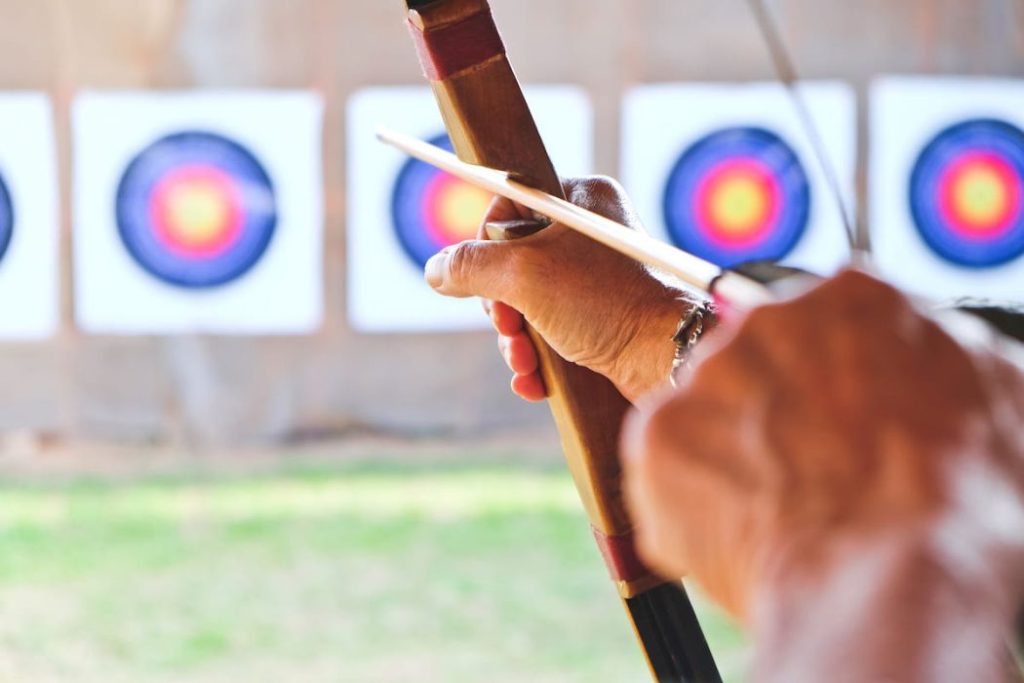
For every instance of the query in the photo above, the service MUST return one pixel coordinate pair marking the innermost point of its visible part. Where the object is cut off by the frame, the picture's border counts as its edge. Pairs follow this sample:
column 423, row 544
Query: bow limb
column 490, row 124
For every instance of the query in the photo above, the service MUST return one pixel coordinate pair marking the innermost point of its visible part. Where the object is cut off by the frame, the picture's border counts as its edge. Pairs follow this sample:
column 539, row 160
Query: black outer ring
column 701, row 155
column 165, row 153
column 6, row 218
column 921, row 189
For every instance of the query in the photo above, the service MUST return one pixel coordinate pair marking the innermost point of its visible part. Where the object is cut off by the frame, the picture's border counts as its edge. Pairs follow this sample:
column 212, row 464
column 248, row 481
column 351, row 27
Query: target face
column 966, row 191
column 30, row 270
column 6, row 218
column 432, row 209
column 198, row 212
column 196, row 209
column 946, row 185
column 736, row 195
column 723, row 170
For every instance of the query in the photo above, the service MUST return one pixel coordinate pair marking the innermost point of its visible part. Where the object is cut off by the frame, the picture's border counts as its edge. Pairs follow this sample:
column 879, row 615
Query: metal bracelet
column 692, row 325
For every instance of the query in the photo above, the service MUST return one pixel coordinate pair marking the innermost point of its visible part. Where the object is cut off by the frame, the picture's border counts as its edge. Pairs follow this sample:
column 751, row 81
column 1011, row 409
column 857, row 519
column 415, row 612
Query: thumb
column 471, row 268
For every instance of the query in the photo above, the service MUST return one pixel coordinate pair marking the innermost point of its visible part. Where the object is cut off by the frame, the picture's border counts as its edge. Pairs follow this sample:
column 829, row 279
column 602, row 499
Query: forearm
column 888, row 612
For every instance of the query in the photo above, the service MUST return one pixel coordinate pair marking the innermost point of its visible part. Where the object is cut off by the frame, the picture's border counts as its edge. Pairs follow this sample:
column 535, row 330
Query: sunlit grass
column 443, row 495
column 366, row 573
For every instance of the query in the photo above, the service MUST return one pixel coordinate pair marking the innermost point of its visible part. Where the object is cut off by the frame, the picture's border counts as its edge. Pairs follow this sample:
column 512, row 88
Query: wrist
column 646, row 361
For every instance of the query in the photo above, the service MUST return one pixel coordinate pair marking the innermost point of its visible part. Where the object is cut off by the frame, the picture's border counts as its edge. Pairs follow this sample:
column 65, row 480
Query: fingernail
column 433, row 272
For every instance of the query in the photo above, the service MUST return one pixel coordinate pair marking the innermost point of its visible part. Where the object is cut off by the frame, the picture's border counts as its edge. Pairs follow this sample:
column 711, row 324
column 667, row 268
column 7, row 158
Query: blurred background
column 338, row 505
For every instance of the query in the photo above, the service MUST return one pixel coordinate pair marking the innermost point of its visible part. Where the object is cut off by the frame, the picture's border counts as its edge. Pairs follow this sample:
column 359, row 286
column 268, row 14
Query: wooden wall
column 206, row 390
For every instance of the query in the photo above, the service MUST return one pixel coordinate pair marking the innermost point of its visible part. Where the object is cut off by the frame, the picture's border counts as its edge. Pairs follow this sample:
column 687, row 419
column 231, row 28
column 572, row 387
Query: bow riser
column 490, row 124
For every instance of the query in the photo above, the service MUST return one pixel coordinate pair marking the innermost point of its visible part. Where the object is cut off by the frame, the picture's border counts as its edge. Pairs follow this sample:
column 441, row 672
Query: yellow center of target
column 198, row 212
column 461, row 207
column 738, row 204
column 980, row 196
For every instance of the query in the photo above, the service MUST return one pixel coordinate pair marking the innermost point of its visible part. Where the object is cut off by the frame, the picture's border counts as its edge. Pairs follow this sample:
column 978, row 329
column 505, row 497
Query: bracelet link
column 693, row 324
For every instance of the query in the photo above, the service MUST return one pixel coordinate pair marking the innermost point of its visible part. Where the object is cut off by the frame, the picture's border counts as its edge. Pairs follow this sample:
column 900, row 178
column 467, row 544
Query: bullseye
column 196, row 209
column 737, row 202
column 737, row 195
column 966, row 192
column 457, row 209
column 6, row 218
column 431, row 209
column 979, row 195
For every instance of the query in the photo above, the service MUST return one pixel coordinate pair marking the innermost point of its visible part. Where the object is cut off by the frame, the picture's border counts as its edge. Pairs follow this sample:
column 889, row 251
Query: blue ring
column 407, row 197
column 6, row 218
column 679, row 196
column 993, row 136
column 135, row 196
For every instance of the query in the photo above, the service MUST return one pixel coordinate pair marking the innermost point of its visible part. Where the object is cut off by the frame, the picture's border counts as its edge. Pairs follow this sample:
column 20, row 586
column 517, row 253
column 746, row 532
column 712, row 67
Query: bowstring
column 785, row 71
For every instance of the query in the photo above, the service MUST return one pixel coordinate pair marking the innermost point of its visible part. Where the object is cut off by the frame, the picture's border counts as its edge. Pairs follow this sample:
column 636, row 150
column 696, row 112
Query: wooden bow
column 490, row 124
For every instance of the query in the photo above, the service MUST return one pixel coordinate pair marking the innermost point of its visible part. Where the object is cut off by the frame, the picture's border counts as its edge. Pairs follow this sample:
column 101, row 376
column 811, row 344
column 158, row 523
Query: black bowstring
column 786, row 72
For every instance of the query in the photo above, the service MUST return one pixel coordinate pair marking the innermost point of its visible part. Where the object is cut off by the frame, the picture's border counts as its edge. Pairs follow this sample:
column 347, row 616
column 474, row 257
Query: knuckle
column 589, row 191
column 857, row 286
column 603, row 195
column 606, row 185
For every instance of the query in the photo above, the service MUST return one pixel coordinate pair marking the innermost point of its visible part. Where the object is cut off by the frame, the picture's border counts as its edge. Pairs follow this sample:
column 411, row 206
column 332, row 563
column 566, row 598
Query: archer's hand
column 846, row 477
column 595, row 307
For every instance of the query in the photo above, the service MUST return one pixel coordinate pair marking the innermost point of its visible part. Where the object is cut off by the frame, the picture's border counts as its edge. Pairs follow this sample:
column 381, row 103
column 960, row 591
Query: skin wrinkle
column 604, row 330
column 582, row 323
column 632, row 334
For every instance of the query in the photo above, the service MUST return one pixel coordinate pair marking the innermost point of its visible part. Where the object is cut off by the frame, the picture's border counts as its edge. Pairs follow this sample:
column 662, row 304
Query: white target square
column 198, row 212
column 728, row 171
column 946, row 185
column 401, row 211
column 29, row 219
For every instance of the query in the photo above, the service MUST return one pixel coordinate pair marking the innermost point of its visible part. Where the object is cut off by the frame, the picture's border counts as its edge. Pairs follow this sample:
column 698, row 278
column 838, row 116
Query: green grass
column 340, row 573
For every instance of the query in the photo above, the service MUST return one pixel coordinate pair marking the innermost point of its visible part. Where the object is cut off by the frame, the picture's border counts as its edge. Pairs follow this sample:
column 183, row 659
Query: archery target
column 402, row 211
column 431, row 209
column 965, row 193
column 196, row 209
column 947, row 185
column 198, row 213
column 736, row 195
column 726, row 172
column 29, row 220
